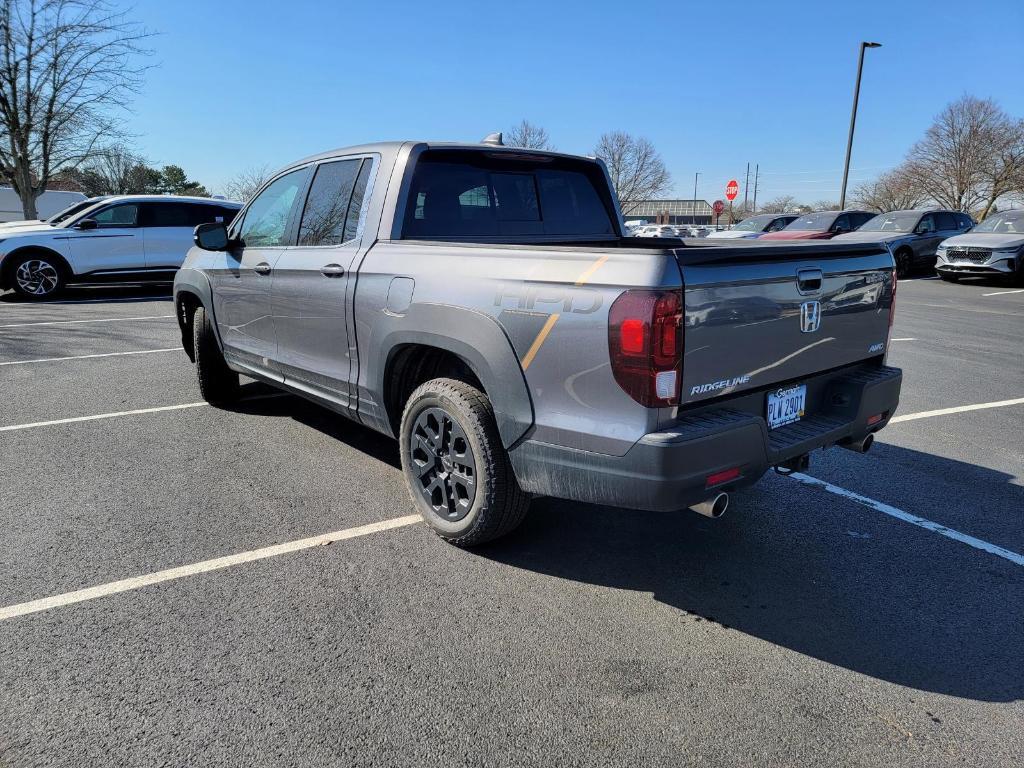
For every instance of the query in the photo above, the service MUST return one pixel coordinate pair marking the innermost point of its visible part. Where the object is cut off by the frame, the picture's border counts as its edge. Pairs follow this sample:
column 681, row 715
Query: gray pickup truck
column 481, row 304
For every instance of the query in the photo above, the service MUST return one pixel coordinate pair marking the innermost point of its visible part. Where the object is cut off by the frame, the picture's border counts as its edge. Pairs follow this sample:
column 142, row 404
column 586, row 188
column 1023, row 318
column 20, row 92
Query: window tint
column 860, row 219
column 118, row 216
column 964, row 221
column 325, row 218
column 946, row 221
column 266, row 219
column 927, row 224
column 165, row 215
column 466, row 194
column 842, row 224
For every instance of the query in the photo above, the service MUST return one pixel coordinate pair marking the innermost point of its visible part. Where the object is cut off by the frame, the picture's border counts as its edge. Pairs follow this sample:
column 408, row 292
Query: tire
column 903, row 263
column 949, row 278
column 38, row 276
column 217, row 382
column 455, row 467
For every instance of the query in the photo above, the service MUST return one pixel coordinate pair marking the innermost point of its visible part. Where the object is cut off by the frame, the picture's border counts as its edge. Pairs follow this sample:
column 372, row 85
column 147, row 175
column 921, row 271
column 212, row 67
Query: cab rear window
column 467, row 195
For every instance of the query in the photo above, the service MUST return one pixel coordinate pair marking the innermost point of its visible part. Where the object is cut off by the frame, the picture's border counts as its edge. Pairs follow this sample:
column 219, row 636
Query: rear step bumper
column 667, row 470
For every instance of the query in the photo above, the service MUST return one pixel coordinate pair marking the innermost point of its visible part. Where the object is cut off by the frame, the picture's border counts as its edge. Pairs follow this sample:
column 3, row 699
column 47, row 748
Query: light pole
column 853, row 120
column 695, row 197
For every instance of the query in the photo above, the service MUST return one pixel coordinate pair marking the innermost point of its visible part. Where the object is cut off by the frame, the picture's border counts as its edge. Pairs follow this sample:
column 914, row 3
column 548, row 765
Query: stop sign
column 732, row 189
column 718, row 207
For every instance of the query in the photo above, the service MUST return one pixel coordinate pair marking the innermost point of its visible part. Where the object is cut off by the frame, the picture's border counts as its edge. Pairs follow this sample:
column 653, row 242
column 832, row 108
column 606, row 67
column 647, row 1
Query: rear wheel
column 457, row 471
column 217, row 382
column 38, row 276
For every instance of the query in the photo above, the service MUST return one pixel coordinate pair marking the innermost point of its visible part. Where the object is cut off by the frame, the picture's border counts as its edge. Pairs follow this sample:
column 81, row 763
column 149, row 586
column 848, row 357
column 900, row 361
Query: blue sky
column 244, row 83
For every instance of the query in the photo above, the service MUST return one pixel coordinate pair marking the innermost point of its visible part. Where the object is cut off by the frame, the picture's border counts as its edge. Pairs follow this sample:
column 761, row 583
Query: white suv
column 131, row 238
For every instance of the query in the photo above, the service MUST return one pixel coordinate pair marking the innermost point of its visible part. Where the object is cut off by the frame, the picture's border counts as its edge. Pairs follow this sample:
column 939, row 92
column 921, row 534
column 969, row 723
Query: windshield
column 892, row 222
column 756, row 223
column 816, row 222
column 1009, row 223
column 67, row 213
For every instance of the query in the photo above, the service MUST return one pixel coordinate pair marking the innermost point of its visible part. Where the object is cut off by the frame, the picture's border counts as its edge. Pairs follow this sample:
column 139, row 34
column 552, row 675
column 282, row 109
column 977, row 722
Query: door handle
column 332, row 270
column 262, row 268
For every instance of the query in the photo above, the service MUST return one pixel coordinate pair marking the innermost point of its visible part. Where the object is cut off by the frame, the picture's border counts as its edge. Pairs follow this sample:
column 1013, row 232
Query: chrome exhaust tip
column 714, row 507
column 860, row 446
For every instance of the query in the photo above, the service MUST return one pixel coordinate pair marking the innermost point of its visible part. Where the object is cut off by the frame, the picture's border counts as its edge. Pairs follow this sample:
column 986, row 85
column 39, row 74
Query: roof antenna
column 494, row 139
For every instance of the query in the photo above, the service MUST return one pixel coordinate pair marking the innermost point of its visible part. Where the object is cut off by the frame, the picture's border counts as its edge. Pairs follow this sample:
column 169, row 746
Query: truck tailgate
column 761, row 315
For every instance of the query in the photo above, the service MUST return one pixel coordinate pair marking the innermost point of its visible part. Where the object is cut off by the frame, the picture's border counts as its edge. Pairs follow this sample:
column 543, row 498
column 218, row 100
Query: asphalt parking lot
column 806, row 627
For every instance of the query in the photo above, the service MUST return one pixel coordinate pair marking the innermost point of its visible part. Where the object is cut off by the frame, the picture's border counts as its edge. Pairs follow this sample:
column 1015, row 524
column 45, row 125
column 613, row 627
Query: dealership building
column 669, row 211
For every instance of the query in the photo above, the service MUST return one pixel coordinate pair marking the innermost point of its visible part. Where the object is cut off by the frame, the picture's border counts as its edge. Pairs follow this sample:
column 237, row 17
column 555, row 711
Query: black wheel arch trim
column 196, row 285
column 481, row 344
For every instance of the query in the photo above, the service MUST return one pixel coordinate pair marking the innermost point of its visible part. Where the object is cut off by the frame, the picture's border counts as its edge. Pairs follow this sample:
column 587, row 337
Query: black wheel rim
column 443, row 463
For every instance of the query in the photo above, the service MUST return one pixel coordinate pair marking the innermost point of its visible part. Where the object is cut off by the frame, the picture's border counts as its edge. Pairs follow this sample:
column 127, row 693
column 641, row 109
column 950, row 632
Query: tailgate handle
column 808, row 280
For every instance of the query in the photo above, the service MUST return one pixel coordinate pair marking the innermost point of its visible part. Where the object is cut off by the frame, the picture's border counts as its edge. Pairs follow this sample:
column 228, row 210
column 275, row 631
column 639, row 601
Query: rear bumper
column 667, row 470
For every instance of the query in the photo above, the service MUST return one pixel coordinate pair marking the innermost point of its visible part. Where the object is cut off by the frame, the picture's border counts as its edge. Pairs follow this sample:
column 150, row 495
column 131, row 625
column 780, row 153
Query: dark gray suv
column 912, row 236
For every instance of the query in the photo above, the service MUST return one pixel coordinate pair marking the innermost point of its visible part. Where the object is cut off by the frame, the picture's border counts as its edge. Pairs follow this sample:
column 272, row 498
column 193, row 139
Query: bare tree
column 780, row 204
column 636, row 169
column 896, row 190
column 825, row 205
column 970, row 155
column 67, row 67
column 246, row 184
column 529, row 136
column 116, row 171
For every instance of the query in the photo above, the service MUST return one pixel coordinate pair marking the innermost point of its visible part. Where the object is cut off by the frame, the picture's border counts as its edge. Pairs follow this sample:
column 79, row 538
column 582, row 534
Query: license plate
column 786, row 405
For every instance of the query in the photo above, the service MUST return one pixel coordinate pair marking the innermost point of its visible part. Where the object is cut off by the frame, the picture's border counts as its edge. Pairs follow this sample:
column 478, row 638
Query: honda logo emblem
column 810, row 316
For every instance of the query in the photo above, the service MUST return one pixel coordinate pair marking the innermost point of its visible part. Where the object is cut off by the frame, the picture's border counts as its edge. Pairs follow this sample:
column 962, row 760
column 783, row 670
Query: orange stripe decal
column 537, row 342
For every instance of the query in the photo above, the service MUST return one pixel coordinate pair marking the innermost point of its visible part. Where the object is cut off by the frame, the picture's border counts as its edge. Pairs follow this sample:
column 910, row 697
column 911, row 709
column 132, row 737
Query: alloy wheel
column 37, row 277
column 444, row 464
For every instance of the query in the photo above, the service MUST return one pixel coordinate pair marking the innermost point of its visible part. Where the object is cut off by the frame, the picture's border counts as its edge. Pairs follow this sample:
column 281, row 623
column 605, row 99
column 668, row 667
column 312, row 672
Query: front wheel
column 217, row 382
column 949, row 278
column 903, row 264
column 457, row 471
column 38, row 277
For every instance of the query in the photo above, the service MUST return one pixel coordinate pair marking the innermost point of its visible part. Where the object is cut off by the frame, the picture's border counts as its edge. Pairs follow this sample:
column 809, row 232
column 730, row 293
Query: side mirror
column 212, row 236
column 87, row 224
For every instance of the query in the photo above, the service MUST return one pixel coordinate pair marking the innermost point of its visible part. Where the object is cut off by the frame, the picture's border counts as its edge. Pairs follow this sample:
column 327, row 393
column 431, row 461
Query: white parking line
column 1002, row 293
column 125, row 585
column 75, row 322
column 89, row 357
column 906, row 517
column 115, row 414
column 957, row 409
column 908, row 339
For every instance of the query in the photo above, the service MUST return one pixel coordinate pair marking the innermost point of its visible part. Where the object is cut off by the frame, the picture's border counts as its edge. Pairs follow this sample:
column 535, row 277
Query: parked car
column 755, row 226
column 821, row 225
column 47, row 204
column 553, row 365
column 993, row 247
column 131, row 238
column 912, row 236
column 57, row 218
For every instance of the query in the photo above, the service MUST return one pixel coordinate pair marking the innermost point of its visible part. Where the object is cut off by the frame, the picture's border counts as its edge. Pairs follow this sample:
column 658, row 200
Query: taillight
column 645, row 342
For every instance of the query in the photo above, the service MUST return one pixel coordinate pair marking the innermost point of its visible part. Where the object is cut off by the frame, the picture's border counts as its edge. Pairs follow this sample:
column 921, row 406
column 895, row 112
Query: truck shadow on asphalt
column 792, row 566
column 805, row 571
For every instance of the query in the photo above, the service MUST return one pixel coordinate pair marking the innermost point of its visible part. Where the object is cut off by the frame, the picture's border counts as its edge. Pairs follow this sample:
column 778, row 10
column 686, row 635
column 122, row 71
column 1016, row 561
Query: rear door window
column 165, row 215
column 946, row 221
column 465, row 195
column 328, row 211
